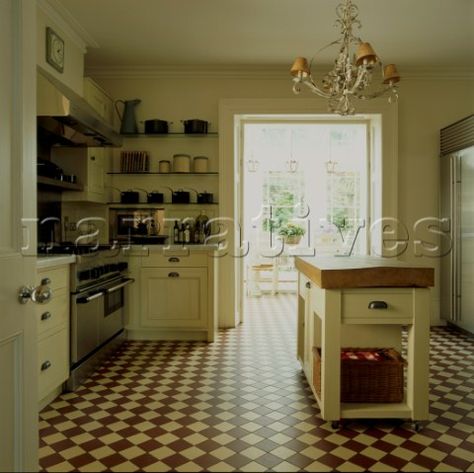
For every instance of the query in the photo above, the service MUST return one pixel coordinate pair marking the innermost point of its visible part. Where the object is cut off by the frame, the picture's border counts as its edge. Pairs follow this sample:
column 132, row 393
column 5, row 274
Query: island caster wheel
column 417, row 426
column 335, row 424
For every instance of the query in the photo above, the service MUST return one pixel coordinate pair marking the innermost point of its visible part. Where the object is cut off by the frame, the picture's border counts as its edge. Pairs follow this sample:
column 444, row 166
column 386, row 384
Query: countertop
column 363, row 271
column 46, row 261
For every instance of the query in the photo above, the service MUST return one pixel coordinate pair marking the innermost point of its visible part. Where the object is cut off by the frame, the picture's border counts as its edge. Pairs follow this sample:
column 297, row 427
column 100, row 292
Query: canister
column 164, row 166
column 200, row 164
column 181, row 163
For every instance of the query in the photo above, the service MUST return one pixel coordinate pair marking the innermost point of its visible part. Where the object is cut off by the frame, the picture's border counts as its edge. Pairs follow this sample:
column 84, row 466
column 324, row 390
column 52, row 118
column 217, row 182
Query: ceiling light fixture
column 351, row 75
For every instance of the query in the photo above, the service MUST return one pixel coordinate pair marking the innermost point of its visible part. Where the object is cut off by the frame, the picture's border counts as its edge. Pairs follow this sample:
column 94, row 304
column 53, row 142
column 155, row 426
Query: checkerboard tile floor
column 242, row 404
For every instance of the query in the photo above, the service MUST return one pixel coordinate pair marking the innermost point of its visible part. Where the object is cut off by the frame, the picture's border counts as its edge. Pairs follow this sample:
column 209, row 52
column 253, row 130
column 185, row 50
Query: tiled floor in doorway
column 242, row 404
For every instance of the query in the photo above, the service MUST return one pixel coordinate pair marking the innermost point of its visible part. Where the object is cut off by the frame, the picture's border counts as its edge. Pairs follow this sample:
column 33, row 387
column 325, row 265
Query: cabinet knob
column 308, row 285
column 378, row 305
column 46, row 316
column 173, row 275
column 173, row 260
column 45, row 365
column 92, row 158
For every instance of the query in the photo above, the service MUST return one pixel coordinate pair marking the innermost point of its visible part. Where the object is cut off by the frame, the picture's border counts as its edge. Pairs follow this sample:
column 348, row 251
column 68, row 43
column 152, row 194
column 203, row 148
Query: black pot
column 195, row 126
column 205, row 198
column 47, row 168
column 156, row 127
column 154, row 197
column 129, row 197
column 180, row 197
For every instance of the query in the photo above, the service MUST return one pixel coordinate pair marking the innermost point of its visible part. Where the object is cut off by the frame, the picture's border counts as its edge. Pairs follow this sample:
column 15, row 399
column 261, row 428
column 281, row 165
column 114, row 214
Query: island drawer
column 377, row 306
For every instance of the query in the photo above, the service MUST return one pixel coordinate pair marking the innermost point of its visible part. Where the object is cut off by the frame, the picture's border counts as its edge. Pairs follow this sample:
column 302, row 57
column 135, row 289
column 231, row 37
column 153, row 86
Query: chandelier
column 351, row 76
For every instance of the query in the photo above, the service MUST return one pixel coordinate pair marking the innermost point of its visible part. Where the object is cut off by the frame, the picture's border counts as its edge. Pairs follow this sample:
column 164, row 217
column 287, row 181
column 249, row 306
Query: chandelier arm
column 379, row 93
column 309, row 82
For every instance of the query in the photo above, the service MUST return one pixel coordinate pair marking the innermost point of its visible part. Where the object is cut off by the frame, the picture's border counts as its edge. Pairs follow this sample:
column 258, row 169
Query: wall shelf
column 154, row 204
column 57, row 184
column 212, row 134
column 147, row 173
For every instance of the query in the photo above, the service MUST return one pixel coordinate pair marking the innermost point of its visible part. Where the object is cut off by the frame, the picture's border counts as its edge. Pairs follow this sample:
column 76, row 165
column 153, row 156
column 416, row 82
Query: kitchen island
column 364, row 302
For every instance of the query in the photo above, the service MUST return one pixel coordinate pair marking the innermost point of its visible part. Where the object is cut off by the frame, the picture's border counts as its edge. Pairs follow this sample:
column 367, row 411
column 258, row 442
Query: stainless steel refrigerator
column 457, row 206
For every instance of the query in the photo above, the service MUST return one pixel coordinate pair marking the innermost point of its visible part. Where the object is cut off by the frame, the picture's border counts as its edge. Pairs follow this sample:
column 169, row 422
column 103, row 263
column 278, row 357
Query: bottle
column 181, row 234
column 187, row 234
column 176, row 232
column 197, row 228
column 204, row 229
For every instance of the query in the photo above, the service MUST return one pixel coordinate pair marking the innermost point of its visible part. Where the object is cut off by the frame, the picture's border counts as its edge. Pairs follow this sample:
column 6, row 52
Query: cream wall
column 73, row 56
column 425, row 105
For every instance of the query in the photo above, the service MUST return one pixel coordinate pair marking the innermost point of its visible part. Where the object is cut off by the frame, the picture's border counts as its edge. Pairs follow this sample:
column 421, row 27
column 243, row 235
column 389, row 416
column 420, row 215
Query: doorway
column 304, row 190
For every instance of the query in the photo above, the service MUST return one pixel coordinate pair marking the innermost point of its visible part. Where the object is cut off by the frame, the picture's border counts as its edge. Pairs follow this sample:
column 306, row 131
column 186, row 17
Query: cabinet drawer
column 387, row 306
column 53, row 366
column 59, row 277
column 55, row 314
column 175, row 259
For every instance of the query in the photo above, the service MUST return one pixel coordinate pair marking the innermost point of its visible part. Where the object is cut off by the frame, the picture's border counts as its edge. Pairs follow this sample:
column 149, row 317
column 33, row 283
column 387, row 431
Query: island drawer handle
column 378, row 305
column 45, row 365
column 173, row 260
column 46, row 316
column 173, row 275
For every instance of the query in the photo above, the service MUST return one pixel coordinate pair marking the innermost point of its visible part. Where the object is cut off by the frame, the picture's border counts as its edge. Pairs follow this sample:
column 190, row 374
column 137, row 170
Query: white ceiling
column 410, row 33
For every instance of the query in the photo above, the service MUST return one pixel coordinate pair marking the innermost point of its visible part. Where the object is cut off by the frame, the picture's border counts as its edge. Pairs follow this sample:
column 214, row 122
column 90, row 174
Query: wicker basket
column 367, row 381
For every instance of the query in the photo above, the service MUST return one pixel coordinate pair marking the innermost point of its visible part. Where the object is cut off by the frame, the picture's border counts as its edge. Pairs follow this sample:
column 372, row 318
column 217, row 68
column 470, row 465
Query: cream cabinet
column 98, row 100
column 173, row 297
column 90, row 167
column 52, row 320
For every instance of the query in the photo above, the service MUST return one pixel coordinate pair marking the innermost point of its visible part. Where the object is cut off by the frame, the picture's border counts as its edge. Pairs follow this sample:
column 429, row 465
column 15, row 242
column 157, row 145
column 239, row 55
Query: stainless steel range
column 98, row 290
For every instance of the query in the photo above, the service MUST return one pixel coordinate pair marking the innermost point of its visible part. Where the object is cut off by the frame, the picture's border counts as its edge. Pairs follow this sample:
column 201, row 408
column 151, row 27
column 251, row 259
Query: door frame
column 233, row 110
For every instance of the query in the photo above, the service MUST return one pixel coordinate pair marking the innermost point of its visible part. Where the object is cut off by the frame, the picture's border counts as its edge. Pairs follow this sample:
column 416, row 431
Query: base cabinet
column 53, row 332
column 173, row 296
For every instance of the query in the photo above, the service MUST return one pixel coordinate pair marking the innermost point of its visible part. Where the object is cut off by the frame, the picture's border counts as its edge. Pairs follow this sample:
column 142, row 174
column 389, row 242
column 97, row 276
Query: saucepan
column 205, row 198
column 195, row 126
column 156, row 126
column 180, row 197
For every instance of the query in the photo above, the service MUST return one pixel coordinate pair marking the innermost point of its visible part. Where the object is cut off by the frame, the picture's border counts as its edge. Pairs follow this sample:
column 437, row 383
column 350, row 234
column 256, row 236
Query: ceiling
column 410, row 33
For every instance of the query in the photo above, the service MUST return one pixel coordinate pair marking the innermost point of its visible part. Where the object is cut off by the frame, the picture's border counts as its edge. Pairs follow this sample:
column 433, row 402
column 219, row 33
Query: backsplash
column 85, row 223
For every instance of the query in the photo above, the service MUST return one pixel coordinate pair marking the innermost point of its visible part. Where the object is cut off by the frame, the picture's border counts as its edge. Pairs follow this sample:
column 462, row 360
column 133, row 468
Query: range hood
column 65, row 118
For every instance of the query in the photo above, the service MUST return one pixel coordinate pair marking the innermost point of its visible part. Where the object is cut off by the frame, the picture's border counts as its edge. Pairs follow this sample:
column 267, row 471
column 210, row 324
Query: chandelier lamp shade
column 352, row 74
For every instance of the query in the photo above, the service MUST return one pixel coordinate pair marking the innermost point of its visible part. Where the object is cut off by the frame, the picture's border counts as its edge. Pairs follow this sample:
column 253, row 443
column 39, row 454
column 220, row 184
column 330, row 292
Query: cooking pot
column 48, row 169
column 180, row 197
column 129, row 197
column 195, row 126
column 205, row 198
column 153, row 197
column 156, row 127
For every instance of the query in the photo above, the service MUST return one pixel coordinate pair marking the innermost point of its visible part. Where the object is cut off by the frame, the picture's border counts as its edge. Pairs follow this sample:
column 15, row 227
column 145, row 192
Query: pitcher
column 128, row 120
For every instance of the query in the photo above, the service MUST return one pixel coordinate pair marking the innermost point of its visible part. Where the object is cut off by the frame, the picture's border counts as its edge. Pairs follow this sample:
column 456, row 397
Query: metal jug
column 128, row 120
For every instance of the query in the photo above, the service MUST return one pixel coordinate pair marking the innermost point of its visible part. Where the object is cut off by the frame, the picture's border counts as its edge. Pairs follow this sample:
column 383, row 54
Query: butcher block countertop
column 333, row 272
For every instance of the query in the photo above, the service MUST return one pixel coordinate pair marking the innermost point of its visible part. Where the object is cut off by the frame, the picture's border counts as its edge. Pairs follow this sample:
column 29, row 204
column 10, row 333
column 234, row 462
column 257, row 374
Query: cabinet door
column 174, row 298
column 98, row 100
column 95, row 171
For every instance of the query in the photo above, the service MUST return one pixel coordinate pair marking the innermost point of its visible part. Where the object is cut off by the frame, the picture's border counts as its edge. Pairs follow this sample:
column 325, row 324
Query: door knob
column 39, row 295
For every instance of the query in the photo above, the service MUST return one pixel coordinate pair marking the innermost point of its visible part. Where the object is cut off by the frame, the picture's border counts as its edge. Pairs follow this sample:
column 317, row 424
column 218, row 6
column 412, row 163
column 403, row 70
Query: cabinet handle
column 308, row 285
column 173, row 275
column 45, row 282
column 45, row 365
column 46, row 316
column 173, row 260
column 92, row 158
column 378, row 305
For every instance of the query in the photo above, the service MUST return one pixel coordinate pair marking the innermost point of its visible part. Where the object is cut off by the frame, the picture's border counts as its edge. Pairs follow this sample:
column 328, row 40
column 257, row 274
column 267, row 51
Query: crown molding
column 71, row 27
column 272, row 72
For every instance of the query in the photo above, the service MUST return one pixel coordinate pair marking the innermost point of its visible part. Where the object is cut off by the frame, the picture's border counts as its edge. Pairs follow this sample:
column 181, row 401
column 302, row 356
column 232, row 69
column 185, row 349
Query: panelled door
column 18, row 343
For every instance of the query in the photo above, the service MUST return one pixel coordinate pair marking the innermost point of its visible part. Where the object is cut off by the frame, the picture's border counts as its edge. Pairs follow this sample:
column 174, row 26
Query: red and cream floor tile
column 242, row 404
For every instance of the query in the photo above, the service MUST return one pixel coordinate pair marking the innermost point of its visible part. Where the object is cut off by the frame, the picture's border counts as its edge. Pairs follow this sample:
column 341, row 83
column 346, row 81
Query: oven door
column 112, row 320
column 87, row 311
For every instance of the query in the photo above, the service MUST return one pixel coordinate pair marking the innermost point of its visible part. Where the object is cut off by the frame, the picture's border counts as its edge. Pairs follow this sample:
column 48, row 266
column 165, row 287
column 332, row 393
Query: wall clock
column 54, row 50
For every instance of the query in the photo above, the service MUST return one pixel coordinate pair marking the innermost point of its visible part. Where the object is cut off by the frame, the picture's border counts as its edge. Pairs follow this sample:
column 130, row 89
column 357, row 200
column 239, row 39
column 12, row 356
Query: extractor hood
column 65, row 118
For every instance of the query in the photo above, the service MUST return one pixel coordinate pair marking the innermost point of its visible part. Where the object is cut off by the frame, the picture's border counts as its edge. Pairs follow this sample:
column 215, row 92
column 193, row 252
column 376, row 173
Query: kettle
column 128, row 120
